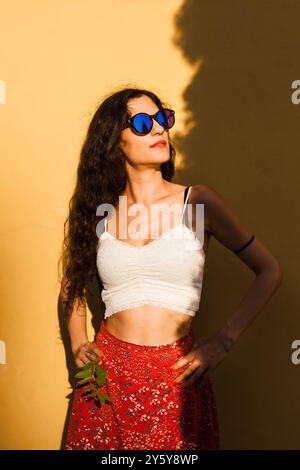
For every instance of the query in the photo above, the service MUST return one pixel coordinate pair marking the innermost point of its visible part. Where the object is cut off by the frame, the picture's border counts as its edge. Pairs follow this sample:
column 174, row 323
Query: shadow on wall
column 97, row 309
column 244, row 143
column 240, row 97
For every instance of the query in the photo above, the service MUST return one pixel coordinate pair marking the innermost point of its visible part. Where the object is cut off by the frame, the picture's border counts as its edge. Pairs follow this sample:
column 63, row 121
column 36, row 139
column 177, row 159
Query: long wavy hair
column 101, row 178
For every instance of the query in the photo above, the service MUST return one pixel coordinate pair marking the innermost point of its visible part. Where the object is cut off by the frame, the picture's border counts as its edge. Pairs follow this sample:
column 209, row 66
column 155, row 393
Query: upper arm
column 224, row 224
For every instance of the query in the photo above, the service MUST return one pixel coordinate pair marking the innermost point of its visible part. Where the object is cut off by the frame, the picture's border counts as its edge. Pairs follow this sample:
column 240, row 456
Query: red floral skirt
column 148, row 410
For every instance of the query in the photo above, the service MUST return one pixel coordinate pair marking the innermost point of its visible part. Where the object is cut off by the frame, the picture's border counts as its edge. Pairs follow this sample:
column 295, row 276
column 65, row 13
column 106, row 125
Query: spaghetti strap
column 186, row 197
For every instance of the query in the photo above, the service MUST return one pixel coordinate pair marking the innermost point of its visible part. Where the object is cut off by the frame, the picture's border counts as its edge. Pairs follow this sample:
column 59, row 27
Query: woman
column 158, row 371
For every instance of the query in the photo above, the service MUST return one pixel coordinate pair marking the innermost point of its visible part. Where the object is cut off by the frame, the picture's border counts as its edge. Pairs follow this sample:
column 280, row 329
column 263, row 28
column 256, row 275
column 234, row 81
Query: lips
column 159, row 143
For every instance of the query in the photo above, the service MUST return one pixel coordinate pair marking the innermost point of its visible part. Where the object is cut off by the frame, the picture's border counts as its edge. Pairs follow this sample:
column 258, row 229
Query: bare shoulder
column 204, row 193
column 217, row 209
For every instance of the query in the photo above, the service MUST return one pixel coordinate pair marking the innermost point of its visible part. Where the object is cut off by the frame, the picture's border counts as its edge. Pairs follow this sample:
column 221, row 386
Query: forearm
column 77, row 327
column 76, row 322
column 261, row 290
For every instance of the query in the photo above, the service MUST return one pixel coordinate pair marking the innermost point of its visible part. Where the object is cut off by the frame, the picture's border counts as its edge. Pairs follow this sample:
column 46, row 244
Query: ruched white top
column 166, row 272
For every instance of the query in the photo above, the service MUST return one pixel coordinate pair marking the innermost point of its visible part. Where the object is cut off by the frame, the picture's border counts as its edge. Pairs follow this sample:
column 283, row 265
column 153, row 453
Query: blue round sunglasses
column 142, row 123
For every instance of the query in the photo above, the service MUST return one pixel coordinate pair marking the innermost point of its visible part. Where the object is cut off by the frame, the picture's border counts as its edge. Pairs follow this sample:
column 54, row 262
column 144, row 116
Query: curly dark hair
column 101, row 178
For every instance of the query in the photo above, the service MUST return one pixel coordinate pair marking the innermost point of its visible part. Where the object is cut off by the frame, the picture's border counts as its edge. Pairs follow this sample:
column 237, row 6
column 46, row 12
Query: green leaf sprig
column 94, row 376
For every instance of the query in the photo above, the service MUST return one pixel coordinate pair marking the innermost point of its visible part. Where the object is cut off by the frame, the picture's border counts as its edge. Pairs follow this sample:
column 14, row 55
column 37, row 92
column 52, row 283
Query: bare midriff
column 149, row 325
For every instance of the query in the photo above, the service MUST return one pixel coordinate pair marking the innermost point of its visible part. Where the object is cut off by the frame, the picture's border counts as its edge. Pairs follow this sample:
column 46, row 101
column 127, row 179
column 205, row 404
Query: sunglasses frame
column 130, row 124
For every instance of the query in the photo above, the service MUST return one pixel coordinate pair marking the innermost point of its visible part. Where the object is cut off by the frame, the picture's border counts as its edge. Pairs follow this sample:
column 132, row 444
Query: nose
column 157, row 128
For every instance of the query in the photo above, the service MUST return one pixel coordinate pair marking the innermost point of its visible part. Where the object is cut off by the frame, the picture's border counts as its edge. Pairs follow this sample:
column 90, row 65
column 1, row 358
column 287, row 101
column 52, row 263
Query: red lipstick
column 159, row 143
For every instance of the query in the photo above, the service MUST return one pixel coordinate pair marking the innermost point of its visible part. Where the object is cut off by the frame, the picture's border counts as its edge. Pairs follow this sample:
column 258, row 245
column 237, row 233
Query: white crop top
column 166, row 272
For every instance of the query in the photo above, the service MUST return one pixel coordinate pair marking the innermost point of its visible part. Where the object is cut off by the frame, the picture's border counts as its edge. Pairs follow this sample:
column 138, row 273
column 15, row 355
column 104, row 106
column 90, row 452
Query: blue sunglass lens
column 166, row 118
column 142, row 123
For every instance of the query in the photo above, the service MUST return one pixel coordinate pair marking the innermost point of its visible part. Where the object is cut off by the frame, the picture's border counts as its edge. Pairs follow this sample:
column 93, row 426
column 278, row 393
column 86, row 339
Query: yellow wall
column 57, row 60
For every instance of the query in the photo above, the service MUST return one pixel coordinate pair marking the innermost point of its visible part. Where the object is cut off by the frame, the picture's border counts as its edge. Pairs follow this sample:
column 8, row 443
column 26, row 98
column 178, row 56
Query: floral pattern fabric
column 148, row 410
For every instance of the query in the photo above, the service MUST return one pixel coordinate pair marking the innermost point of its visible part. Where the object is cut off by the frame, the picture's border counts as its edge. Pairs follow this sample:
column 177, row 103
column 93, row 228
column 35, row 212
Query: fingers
column 83, row 357
column 90, row 356
column 79, row 363
column 192, row 373
column 88, row 352
column 95, row 354
column 185, row 359
column 189, row 371
column 95, row 348
column 196, row 353
column 181, row 362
